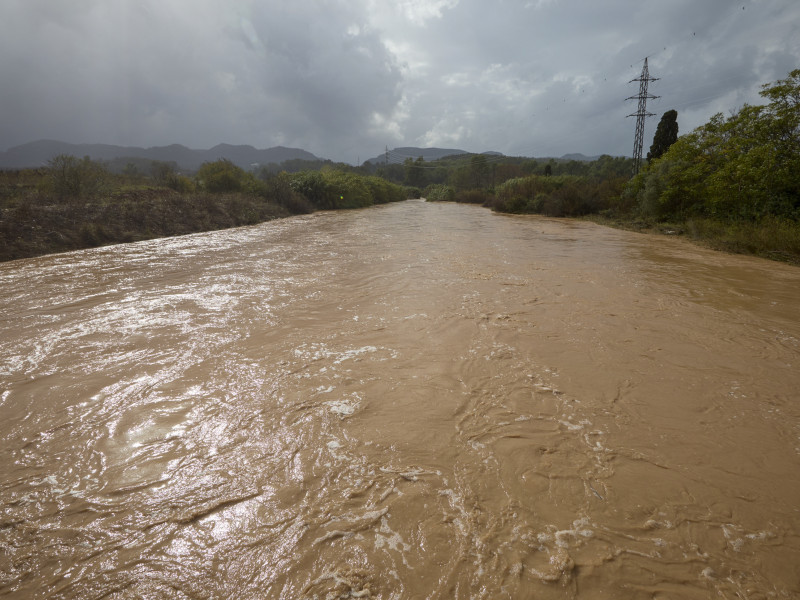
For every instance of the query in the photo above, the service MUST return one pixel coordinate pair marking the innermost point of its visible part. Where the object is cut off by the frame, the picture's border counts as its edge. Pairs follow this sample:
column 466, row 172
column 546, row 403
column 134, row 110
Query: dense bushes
column 576, row 188
column 439, row 192
column 559, row 196
column 224, row 176
column 333, row 189
column 77, row 203
column 384, row 191
column 732, row 183
column 740, row 168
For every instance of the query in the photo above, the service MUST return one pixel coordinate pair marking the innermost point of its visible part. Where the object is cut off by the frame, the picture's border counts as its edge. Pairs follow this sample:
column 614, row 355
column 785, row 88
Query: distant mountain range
column 580, row 157
column 398, row 155
column 36, row 154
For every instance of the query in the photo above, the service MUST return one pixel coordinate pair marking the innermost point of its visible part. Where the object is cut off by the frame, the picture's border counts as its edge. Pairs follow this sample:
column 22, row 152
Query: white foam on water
column 344, row 407
column 387, row 538
column 335, row 448
column 708, row 573
column 563, row 538
column 351, row 354
column 316, row 352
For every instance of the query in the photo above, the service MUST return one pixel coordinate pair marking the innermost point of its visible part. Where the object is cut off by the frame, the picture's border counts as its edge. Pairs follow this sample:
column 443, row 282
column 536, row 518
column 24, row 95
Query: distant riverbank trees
column 560, row 188
column 732, row 183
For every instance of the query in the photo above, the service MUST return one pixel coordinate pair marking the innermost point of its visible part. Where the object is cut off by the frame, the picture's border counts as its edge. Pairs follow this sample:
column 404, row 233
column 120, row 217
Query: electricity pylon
column 641, row 114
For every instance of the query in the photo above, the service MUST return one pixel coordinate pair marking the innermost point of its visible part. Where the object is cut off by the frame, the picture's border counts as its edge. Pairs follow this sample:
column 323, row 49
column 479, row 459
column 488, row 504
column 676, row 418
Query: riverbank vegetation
column 732, row 184
column 78, row 203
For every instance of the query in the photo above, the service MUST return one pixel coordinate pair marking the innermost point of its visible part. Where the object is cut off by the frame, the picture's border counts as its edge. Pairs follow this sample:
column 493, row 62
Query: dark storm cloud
column 550, row 77
column 345, row 78
column 301, row 73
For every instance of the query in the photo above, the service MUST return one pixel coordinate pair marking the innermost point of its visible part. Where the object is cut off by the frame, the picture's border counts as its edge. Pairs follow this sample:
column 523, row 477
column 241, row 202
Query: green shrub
column 438, row 192
column 312, row 186
column 473, row 197
column 413, row 192
column 278, row 189
column 221, row 176
column 384, row 191
column 73, row 178
column 347, row 189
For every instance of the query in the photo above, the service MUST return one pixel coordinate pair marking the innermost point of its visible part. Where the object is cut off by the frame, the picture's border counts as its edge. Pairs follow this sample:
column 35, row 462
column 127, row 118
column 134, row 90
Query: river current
column 409, row 401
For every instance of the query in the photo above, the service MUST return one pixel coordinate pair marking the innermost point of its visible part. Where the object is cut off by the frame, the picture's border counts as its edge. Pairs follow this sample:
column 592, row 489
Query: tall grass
column 771, row 237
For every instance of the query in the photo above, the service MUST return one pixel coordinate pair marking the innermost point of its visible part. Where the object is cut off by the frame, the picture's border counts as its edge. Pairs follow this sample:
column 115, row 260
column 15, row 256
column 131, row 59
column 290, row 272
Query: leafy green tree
column 740, row 168
column 72, row 178
column 479, row 171
column 415, row 172
column 131, row 171
column 163, row 172
column 221, row 176
column 347, row 190
column 312, row 185
column 666, row 135
column 278, row 188
column 438, row 192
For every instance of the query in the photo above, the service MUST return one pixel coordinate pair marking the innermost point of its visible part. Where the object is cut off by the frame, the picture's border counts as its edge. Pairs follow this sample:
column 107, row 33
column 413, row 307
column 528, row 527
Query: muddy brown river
column 409, row 401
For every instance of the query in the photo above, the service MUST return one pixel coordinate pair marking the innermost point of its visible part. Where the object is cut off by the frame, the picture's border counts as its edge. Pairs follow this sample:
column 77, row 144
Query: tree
column 479, row 171
column 415, row 172
column 740, row 168
column 73, row 178
column 221, row 176
column 666, row 135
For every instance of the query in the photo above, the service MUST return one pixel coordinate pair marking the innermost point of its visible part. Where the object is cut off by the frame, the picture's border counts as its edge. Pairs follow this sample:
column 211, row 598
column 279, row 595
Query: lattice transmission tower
column 641, row 114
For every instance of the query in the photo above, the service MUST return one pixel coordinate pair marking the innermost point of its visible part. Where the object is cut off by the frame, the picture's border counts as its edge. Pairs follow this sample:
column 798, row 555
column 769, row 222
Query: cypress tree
column 666, row 134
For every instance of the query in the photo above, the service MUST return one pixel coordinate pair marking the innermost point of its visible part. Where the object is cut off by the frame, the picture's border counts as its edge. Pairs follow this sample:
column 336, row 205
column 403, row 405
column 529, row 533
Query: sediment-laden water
column 409, row 401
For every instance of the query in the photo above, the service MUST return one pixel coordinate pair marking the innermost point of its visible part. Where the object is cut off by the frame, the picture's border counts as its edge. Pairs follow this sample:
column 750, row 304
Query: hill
column 36, row 154
column 398, row 155
column 579, row 157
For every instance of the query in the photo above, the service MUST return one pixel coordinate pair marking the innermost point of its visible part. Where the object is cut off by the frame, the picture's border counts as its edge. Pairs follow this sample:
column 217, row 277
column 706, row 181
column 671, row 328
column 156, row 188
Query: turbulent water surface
column 409, row 401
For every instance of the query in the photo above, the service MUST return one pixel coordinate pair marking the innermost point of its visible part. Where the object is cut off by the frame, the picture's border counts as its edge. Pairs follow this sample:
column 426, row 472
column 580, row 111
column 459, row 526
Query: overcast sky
column 343, row 79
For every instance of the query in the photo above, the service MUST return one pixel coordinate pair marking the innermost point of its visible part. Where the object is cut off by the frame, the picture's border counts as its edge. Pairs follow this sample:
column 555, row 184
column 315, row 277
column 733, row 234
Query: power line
column 641, row 114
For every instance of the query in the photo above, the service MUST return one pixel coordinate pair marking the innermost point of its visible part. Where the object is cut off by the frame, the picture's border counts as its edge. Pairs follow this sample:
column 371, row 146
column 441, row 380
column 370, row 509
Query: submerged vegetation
column 732, row 183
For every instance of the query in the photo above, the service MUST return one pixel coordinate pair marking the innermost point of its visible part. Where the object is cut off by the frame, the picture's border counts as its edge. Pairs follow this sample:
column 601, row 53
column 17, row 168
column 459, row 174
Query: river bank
column 34, row 228
column 82, row 205
column 773, row 239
